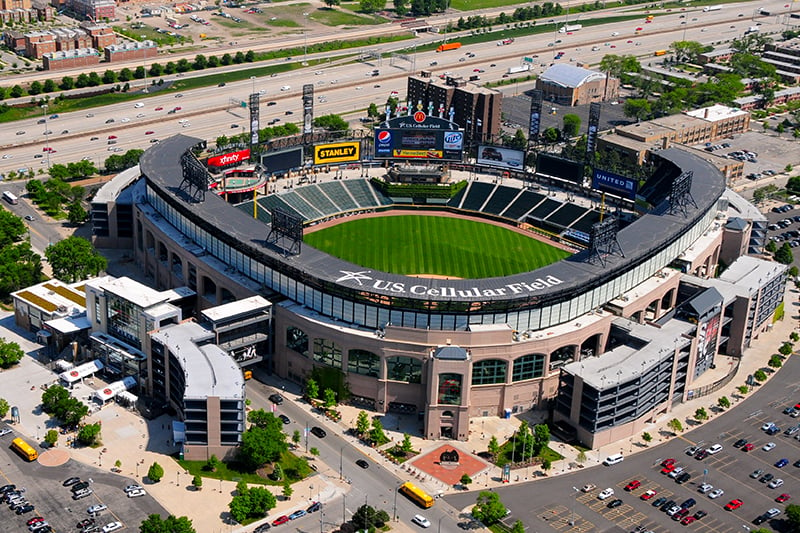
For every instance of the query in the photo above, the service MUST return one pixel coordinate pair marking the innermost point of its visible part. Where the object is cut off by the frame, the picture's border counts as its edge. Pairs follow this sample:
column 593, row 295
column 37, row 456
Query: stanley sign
column 337, row 153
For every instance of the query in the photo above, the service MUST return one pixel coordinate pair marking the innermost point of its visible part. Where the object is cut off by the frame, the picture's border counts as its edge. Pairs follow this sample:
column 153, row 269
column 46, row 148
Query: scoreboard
column 419, row 136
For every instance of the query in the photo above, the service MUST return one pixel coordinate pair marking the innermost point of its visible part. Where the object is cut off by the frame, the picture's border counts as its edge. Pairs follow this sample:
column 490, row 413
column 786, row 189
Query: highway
column 347, row 89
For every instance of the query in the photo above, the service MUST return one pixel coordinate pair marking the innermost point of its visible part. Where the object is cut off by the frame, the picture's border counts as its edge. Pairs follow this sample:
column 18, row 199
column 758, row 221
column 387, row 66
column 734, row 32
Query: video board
column 496, row 156
column 419, row 136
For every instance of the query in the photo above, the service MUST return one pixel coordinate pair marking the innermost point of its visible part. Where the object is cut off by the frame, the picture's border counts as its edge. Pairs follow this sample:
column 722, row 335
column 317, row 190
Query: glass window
column 449, row 389
column 489, row 372
column 363, row 362
column 123, row 320
column 403, row 368
column 528, row 367
column 327, row 352
column 297, row 340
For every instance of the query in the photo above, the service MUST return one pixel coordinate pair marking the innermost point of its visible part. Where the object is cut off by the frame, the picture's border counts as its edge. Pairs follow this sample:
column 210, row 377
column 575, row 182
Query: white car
column 124, row 119
column 588, row 487
column 286, row 88
column 768, row 446
column 614, row 34
column 607, row 493
column 137, row 105
column 131, row 488
column 716, row 448
column 767, row 425
column 5, row 431
column 775, row 483
column 136, row 493
column 421, row 520
column 716, row 493
column 112, row 526
column 705, row 488
column 675, row 473
column 97, row 508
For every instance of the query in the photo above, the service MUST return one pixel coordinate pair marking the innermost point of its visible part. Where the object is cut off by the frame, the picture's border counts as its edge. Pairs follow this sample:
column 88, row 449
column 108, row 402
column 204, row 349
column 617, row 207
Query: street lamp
column 394, row 508
column 572, row 520
column 439, row 527
column 253, row 79
column 305, row 38
column 341, row 454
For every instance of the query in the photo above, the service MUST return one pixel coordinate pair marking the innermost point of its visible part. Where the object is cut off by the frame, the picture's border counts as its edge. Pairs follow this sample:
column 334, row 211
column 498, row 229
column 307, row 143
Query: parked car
column 318, row 431
column 280, row 520
column 421, row 521
column 605, row 493
column 716, row 493
column 734, row 504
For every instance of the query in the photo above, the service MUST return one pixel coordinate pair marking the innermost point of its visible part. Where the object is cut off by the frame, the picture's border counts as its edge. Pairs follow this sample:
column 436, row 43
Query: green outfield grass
column 442, row 246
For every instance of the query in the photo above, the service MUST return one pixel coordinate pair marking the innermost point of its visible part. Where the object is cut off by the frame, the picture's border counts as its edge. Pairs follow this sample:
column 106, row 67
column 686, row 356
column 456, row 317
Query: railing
column 713, row 387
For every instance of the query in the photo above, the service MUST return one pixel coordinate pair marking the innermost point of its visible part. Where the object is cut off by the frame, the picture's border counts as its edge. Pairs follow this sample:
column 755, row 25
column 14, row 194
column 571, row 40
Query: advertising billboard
column 558, row 167
column 231, row 158
column 494, row 156
column 337, row 153
column 419, row 136
column 614, row 184
column 283, row 161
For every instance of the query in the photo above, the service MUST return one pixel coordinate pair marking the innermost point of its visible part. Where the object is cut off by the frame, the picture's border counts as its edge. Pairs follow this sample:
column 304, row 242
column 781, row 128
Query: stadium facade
column 448, row 349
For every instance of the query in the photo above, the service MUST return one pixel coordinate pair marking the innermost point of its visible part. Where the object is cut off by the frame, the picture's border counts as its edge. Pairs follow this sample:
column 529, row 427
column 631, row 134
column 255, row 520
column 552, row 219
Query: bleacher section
column 268, row 203
column 477, row 193
column 365, row 195
column 566, row 215
column 306, row 210
column 500, row 199
column 315, row 197
column 455, row 201
column 544, row 209
column 586, row 222
column 524, row 203
column 336, row 192
column 263, row 214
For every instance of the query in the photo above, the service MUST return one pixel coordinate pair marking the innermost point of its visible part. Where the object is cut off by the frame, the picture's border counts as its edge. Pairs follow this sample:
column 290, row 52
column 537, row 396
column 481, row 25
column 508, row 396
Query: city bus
column 24, row 449
column 417, row 495
column 10, row 197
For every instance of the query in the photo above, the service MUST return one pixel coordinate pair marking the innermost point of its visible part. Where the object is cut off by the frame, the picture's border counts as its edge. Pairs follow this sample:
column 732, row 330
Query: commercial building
column 82, row 57
column 129, row 51
column 572, row 85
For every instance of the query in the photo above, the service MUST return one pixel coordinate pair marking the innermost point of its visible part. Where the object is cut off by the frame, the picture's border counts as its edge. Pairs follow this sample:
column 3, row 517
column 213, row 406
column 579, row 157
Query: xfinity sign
column 363, row 279
column 229, row 159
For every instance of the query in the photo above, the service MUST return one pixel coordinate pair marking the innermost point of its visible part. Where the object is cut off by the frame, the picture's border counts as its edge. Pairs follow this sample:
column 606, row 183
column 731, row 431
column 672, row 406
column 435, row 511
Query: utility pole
column 341, row 454
column 306, row 437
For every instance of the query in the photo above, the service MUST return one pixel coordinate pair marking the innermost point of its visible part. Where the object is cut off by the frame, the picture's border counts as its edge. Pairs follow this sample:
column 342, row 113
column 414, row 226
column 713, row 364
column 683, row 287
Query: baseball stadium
column 499, row 296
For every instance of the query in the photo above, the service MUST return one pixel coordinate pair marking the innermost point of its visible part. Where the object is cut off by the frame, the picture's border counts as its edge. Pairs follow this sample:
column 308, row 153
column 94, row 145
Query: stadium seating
column 306, row 210
column 585, row 223
column 338, row 195
column 315, row 197
column 522, row 205
column 544, row 209
column 500, row 200
column 268, row 203
column 364, row 194
column 477, row 193
column 566, row 215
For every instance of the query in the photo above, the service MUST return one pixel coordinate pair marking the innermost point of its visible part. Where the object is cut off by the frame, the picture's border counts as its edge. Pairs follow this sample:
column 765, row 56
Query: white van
column 613, row 459
column 286, row 88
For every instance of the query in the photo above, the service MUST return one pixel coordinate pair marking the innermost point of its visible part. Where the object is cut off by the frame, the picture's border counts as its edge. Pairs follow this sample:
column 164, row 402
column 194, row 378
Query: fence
column 714, row 387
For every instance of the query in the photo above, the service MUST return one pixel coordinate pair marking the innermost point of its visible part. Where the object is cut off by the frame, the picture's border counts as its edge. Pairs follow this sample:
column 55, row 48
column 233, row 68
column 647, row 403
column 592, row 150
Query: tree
column 212, row 464
column 263, row 419
column 771, row 247
column 546, row 465
column 155, row 524
column 277, row 472
column 572, row 125
column 197, row 483
column 314, row 452
column 794, row 336
column 786, row 349
column 518, row 527
column 406, row 445
column 400, row 7
column 581, row 457
column 287, row 490
column 262, row 445
column 760, row 375
column 76, row 214
column 518, row 141
column 551, row 135
column 638, row 108
column 701, row 414
column 647, row 437
column 362, row 423
column 10, row 353
column 724, row 402
column 89, row 434
column 784, row 254
column 376, row 434
column 331, row 3
column 776, row 361
column 330, row 398
column 493, row 447
column 675, row 425
column 743, row 389
column 155, row 472
column 312, row 388
column 53, row 397
column 372, row 6
column 3, row 407
column 332, row 123
column 296, row 437
column 368, row 518
column 488, row 508
column 465, row 479
column 74, row 259
column 51, row 437
column 541, row 438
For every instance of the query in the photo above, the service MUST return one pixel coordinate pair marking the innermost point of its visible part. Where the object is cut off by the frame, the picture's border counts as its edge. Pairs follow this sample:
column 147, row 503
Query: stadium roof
column 548, row 285
column 570, row 76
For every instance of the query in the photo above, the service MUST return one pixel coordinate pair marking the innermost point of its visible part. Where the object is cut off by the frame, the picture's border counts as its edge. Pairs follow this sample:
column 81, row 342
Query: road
column 728, row 470
column 210, row 112
column 375, row 486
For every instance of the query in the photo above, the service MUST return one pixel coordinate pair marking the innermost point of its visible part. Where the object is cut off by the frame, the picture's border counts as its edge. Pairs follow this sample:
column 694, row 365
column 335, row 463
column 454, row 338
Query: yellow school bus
column 417, row 495
column 24, row 449
column 660, row 53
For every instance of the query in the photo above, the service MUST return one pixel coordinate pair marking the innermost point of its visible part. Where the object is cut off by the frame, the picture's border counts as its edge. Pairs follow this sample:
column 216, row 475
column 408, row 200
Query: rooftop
column 235, row 309
column 717, row 112
column 130, row 290
column 111, row 190
column 752, row 272
column 567, row 75
column 54, row 297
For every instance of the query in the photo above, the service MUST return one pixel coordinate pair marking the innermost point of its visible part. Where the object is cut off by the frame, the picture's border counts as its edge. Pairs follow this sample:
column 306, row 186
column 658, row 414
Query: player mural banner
column 614, row 184
column 337, row 153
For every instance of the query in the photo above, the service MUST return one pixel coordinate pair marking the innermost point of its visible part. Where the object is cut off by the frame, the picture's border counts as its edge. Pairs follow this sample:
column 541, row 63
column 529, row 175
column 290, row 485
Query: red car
column 639, row 29
column 688, row 520
column 280, row 520
column 782, row 498
column 112, row 136
column 734, row 504
column 668, row 462
column 35, row 519
column 667, row 469
column 648, row 495
column 747, row 447
column 149, row 132
column 633, row 485
column 159, row 109
column 177, row 108
column 629, row 42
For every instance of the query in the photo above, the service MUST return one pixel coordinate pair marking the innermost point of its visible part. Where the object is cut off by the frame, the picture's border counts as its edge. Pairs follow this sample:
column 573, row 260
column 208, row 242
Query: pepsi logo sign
column 384, row 136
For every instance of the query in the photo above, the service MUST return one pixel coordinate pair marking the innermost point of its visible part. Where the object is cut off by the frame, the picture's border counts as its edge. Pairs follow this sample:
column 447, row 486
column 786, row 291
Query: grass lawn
column 338, row 17
column 442, row 246
column 231, row 471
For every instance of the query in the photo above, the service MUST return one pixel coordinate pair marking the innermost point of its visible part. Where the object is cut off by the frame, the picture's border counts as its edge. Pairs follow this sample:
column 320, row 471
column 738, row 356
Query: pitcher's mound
column 54, row 457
